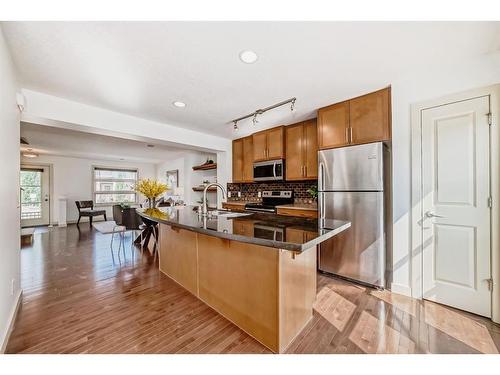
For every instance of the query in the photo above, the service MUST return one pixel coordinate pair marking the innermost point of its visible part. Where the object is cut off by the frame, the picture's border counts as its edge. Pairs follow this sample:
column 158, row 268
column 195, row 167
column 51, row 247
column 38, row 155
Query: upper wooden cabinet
column 248, row 159
column 360, row 120
column 238, row 160
column 301, row 150
column 268, row 144
column 333, row 125
column 242, row 159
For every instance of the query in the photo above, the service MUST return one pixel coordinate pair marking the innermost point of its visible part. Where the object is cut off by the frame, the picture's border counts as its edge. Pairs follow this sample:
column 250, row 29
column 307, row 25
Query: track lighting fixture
column 261, row 111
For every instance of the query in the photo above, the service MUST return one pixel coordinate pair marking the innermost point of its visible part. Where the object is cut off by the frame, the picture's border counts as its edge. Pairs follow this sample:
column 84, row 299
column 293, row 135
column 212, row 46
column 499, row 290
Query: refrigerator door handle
column 321, row 179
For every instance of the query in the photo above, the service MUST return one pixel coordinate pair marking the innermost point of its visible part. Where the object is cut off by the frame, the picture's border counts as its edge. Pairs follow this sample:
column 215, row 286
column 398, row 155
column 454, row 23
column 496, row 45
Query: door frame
column 25, row 164
column 416, row 254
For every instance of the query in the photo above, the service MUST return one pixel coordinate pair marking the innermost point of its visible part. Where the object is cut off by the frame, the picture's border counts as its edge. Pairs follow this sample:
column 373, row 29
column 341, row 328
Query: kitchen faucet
column 204, row 210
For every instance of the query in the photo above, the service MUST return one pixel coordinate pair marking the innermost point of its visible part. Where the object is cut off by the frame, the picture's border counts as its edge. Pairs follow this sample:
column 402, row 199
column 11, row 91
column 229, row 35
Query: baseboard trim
column 401, row 289
column 12, row 321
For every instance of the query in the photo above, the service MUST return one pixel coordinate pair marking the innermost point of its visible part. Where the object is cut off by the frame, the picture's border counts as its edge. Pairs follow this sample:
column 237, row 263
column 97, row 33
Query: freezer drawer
column 359, row 252
column 353, row 168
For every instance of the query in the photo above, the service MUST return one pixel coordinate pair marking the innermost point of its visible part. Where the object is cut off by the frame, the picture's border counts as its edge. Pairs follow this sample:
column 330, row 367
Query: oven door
column 268, row 170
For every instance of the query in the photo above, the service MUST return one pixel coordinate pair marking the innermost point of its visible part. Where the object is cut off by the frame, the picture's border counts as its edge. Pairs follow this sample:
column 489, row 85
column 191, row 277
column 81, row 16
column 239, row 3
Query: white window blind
column 114, row 185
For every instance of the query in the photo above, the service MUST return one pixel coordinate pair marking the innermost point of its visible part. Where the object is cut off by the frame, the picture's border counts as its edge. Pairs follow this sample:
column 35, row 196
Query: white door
column 456, row 213
column 35, row 199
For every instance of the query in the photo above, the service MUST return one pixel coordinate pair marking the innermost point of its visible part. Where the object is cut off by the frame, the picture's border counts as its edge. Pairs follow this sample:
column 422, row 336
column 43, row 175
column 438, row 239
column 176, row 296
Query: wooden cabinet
column 247, row 159
column 275, row 138
column 268, row 144
column 302, row 151
column 233, row 206
column 238, row 160
column 243, row 159
column 369, row 117
column 311, row 214
column 333, row 126
column 360, row 120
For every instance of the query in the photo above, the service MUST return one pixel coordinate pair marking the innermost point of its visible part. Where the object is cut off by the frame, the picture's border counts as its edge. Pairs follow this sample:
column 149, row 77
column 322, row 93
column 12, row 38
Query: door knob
column 430, row 214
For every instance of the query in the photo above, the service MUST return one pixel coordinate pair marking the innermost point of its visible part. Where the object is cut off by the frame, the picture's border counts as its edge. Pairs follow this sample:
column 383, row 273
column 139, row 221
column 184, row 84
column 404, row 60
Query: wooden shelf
column 201, row 188
column 205, row 167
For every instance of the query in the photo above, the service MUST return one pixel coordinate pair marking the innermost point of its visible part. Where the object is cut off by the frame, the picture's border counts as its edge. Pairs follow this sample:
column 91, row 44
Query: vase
column 152, row 202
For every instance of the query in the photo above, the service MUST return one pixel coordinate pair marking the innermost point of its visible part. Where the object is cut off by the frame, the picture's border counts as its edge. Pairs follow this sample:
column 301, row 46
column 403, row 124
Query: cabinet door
column 294, row 136
column 275, row 143
column 248, row 159
column 333, row 126
column 310, row 149
column 369, row 117
column 260, row 146
column 238, row 160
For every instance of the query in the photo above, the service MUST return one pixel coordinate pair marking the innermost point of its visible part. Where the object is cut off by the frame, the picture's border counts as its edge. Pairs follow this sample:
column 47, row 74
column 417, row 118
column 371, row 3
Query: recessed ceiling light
column 179, row 104
column 30, row 154
column 248, row 57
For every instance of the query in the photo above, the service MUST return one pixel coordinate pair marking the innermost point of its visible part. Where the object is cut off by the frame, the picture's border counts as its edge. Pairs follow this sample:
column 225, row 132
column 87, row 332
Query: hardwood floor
column 76, row 300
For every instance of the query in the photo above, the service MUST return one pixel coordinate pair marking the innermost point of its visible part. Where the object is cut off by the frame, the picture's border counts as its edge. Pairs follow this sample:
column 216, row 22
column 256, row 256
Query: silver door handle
column 347, row 135
column 321, row 177
column 305, row 170
column 320, row 205
column 350, row 132
column 429, row 215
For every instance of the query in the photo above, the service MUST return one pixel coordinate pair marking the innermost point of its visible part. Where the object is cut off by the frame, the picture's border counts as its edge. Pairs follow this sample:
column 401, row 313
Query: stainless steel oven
column 272, row 170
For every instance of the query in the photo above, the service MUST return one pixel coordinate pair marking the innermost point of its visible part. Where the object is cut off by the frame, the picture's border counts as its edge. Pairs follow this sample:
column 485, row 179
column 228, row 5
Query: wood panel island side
column 257, row 270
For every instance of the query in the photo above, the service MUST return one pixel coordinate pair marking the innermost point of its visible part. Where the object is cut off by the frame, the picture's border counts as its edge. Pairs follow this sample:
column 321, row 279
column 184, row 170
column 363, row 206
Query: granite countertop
column 300, row 206
column 265, row 229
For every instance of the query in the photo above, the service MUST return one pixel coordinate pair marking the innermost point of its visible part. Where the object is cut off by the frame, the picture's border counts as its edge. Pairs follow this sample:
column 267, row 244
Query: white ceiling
column 47, row 140
column 140, row 68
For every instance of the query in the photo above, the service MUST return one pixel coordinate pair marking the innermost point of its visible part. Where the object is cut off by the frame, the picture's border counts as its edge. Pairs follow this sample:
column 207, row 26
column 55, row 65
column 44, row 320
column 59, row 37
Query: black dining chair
column 128, row 218
column 86, row 209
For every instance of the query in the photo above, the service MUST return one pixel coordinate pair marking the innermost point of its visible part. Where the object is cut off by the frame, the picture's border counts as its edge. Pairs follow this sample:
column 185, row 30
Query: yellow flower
column 150, row 188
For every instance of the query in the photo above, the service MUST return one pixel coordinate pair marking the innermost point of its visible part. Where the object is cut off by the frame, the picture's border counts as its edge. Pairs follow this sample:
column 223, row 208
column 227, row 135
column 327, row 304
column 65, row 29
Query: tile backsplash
column 249, row 191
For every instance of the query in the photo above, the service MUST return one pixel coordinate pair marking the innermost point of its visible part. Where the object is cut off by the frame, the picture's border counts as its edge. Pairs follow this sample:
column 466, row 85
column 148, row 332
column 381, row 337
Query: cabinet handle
column 347, row 135
column 302, row 170
column 305, row 170
column 350, row 132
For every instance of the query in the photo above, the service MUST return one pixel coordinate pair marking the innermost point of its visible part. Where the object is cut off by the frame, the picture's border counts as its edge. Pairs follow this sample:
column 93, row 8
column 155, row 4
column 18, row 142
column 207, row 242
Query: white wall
column 423, row 86
column 72, row 178
column 9, row 192
column 189, row 178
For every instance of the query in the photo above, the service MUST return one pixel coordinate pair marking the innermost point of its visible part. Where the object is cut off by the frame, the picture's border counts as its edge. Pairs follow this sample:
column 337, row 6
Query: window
column 114, row 185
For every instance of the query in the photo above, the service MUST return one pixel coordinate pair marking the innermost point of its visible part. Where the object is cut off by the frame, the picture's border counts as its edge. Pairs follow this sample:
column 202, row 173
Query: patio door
column 35, row 198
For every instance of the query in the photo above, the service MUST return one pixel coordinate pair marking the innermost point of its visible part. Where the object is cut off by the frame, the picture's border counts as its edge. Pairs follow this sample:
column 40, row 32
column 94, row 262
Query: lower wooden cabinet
column 297, row 212
column 233, row 207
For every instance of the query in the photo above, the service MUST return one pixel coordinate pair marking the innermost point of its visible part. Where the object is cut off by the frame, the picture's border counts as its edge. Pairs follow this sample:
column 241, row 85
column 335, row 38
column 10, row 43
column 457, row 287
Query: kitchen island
column 258, row 270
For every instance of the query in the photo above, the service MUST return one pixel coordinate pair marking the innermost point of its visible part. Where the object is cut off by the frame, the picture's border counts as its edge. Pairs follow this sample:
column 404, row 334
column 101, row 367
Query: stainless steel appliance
column 271, row 199
column 272, row 170
column 351, row 187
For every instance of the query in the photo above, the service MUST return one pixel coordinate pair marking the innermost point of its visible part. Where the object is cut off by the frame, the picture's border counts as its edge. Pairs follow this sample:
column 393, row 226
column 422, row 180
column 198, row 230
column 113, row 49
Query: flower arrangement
column 151, row 189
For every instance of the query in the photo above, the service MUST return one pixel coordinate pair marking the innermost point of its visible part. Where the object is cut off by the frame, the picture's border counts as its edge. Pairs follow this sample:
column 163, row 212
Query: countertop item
column 263, row 229
column 300, row 206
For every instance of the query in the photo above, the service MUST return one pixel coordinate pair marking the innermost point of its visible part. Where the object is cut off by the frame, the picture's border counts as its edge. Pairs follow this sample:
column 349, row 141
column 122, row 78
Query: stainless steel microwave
column 272, row 170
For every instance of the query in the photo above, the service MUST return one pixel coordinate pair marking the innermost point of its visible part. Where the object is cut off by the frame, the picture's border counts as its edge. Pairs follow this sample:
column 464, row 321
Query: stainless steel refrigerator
column 351, row 187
